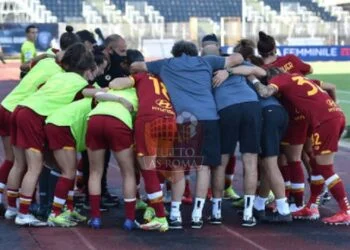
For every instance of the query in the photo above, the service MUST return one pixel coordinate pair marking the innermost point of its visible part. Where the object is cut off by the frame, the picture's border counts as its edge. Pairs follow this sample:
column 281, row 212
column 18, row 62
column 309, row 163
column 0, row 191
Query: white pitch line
column 344, row 101
column 343, row 91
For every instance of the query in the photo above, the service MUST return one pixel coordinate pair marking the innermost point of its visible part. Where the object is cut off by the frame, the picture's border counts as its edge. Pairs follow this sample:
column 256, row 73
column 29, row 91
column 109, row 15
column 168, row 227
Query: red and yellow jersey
column 291, row 64
column 153, row 96
column 307, row 98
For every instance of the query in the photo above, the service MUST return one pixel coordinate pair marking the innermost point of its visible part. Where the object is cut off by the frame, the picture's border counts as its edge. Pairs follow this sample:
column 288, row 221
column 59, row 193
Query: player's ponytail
column 68, row 38
column 266, row 45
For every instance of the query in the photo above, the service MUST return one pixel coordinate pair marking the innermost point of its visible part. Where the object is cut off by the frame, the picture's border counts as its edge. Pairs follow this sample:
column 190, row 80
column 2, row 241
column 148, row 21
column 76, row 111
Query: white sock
column 282, row 206
column 216, row 207
column 198, row 208
column 248, row 206
column 259, row 203
column 175, row 209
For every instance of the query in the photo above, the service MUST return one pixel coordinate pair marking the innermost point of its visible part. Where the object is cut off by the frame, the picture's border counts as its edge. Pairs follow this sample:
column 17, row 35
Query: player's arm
column 102, row 96
column 25, row 67
column 122, row 83
column 91, row 92
column 233, row 60
column 263, row 90
column 247, row 71
column 330, row 88
column 137, row 67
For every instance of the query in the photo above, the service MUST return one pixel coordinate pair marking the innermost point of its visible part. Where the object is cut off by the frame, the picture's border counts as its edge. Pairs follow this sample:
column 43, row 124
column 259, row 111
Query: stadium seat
column 65, row 10
column 182, row 10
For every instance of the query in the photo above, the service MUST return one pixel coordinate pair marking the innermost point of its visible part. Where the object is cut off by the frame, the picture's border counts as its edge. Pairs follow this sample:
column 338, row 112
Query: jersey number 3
column 302, row 81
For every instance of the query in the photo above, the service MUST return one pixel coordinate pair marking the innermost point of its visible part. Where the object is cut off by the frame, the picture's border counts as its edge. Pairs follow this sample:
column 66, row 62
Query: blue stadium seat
column 182, row 10
column 65, row 10
column 309, row 4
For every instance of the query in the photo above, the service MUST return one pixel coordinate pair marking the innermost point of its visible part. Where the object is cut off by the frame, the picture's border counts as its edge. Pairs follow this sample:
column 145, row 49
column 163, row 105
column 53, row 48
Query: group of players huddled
column 164, row 119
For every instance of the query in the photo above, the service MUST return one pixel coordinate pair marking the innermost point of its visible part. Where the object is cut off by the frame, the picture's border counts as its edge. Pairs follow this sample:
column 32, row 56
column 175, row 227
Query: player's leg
column 5, row 168
column 325, row 143
column 96, row 160
column 14, row 182
column 293, row 154
column 31, row 137
column 97, row 144
column 275, row 120
column 126, row 163
column 210, row 156
column 249, row 139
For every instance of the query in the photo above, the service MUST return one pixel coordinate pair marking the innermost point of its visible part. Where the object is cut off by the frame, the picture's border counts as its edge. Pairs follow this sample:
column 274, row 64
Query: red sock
column 95, row 201
column 154, row 194
column 24, row 203
column 12, row 195
column 316, row 185
column 297, row 182
column 335, row 186
column 230, row 168
column 285, row 171
column 5, row 171
column 130, row 208
column 62, row 187
column 229, row 172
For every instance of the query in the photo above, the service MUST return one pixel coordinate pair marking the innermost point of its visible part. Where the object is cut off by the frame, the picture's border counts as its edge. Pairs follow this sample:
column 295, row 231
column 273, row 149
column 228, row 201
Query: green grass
column 337, row 73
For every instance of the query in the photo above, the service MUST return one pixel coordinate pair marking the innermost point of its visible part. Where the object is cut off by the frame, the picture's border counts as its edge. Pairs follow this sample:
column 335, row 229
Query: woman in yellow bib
column 28, row 136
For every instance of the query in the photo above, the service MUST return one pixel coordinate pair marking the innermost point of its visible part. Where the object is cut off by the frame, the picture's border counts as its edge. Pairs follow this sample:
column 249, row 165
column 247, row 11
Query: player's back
column 309, row 98
column 291, row 64
column 152, row 95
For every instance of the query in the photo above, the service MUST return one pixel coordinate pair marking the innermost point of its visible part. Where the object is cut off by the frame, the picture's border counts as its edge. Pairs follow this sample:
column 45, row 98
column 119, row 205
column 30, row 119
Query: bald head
column 211, row 50
column 117, row 44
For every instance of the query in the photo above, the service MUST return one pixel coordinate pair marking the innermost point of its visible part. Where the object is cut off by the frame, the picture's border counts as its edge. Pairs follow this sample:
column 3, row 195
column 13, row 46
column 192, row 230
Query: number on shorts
column 159, row 87
column 316, row 139
column 302, row 81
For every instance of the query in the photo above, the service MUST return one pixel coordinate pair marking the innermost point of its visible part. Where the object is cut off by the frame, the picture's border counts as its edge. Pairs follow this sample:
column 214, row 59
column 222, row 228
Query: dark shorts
column 240, row 123
column 27, row 129
column 154, row 135
column 5, row 121
column 108, row 132
column 275, row 122
column 198, row 143
column 59, row 137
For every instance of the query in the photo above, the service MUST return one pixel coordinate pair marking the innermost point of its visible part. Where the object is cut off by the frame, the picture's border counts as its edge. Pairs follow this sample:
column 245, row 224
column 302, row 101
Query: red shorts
column 155, row 136
column 108, row 132
column 59, row 137
column 5, row 121
column 27, row 129
column 297, row 133
column 325, row 137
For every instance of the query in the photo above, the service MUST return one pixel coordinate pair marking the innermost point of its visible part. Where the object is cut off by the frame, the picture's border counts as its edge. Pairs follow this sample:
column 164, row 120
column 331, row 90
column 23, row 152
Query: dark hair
column 99, row 56
column 32, row 26
column 68, row 38
column 270, row 73
column 210, row 39
column 266, row 44
column 86, row 35
column 78, row 59
column 184, row 47
column 246, row 48
column 133, row 55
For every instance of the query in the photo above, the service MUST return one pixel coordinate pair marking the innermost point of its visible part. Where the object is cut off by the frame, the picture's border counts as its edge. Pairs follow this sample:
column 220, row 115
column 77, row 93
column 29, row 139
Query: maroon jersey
column 291, row 64
column 153, row 96
column 307, row 97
